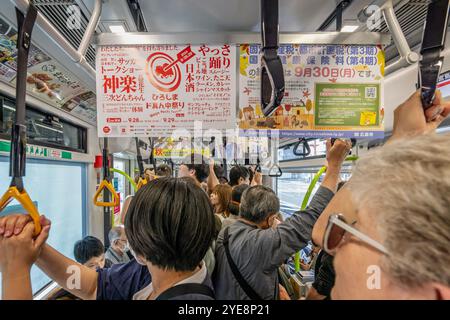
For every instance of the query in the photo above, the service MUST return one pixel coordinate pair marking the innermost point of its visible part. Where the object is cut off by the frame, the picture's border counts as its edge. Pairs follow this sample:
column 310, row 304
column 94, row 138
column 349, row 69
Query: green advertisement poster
column 347, row 104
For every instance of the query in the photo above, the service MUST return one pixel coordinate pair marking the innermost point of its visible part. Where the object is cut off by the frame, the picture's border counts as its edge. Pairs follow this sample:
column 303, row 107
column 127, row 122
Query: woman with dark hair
column 239, row 175
column 170, row 226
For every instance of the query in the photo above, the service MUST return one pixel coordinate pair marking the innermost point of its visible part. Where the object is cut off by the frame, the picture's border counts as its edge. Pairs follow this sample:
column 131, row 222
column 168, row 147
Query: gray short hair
column 406, row 187
column 258, row 203
column 115, row 233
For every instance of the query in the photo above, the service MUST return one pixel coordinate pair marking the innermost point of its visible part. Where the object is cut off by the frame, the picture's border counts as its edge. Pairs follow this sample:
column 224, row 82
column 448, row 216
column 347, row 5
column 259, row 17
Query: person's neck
column 165, row 279
column 218, row 209
column 258, row 225
column 198, row 183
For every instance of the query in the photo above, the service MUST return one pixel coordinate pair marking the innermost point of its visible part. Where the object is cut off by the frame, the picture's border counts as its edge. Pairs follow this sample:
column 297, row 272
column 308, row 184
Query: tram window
column 318, row 149
column 44, row 129
column 58, row 189
column 292, row 188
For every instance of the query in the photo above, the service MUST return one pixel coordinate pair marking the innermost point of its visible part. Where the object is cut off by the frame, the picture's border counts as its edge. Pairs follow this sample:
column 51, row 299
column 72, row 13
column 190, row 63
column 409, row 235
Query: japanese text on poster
column 330, row 91
column 152, row 90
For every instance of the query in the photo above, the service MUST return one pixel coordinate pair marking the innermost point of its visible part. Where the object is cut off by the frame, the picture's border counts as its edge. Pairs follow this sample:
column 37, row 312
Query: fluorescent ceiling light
column 349, row 28
column 117, row 28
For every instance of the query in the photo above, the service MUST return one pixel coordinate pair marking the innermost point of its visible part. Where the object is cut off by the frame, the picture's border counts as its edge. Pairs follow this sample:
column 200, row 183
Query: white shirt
column 198, row 277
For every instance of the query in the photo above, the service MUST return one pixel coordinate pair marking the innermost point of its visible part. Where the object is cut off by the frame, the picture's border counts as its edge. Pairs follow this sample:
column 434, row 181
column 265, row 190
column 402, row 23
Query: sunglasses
column 335, row 235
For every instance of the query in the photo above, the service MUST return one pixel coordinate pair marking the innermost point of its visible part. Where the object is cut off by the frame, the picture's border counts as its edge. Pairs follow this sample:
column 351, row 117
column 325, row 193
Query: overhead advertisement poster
column 46, row 79
column 153, row 90
column 444, row 85
column 330, row 91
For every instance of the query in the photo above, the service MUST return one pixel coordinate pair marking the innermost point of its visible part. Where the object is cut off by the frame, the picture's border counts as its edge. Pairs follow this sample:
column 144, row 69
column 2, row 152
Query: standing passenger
column 194, row 167
column 220, row 199
column 250, row 251
column 19, row 249
column 239, row 175
column 170, row 226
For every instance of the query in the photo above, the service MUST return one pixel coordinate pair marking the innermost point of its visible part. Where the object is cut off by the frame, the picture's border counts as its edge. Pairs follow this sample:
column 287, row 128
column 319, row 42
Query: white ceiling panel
column 231, row 15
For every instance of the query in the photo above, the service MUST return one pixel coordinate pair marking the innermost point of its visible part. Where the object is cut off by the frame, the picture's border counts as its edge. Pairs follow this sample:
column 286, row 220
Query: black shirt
column 324, row 274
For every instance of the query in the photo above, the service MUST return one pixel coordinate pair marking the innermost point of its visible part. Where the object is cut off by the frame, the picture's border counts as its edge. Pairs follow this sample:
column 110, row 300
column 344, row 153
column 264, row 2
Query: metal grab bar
column 77, row 56
column 407, row 57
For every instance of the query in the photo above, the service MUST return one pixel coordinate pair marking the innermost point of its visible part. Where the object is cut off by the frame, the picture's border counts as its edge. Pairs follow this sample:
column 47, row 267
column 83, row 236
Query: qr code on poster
column 371, row 92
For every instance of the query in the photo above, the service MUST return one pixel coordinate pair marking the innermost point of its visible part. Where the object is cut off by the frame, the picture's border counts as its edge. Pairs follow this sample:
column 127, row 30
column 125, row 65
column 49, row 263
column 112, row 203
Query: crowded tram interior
column 224, row 150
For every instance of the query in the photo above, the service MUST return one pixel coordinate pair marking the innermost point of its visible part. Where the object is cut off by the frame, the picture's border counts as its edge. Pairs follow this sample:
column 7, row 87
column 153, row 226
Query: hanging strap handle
column 258, row 165
column 152, row 156
column 142, row 181
column 18, row 136
column 106, row 183
column 272, row 74
column 249, row 291
column 306, row 150
column 139, row 158
column 115, row 197
column 432, row 44
column 278, row 174
column 17, row 156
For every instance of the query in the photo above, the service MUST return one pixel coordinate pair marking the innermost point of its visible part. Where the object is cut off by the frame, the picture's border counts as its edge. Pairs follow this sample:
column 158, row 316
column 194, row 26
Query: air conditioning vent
column 58, row 13
column 411, row 15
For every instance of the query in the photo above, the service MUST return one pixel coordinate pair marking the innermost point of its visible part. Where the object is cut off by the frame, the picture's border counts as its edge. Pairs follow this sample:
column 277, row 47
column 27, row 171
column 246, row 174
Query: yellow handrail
column 115, row 197
column 24, row 199
column 141, row 183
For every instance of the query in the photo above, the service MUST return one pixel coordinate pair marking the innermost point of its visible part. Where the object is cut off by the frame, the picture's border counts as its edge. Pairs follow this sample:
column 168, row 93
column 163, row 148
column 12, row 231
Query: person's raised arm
column 411, row 120
column 72, row 276
column 212, row 178
column 257, row 177
column 79, row 280
column 294, row 233
column 336, row 155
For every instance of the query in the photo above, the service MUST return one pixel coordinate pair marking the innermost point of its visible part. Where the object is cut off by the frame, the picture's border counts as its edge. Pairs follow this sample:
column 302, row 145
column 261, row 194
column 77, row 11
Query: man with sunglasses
column 249, row 252
column 394, row 211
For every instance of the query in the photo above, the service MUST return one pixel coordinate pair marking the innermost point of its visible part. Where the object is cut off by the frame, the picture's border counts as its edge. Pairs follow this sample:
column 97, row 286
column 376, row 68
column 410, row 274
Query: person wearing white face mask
column 118, row 250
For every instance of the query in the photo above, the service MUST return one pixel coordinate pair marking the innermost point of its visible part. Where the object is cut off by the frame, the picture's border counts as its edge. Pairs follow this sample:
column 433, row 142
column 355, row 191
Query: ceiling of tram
column 231, row 15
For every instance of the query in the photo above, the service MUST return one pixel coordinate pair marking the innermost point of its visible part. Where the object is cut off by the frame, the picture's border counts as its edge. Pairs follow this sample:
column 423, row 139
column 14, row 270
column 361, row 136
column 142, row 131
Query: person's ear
column 442, row 291
column 141, row 260
column 270, row 220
